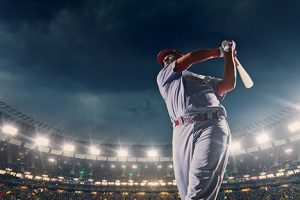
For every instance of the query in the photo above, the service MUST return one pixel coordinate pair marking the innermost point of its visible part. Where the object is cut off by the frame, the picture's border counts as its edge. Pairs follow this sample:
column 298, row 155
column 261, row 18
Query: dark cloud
column 90, row 66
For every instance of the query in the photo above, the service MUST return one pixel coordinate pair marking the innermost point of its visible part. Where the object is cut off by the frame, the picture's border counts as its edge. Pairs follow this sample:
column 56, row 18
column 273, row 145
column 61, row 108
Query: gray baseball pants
column 200, row 154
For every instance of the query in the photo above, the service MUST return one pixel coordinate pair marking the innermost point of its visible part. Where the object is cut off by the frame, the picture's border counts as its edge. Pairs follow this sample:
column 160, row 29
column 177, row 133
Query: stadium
column 42, row 162
column 146, row 100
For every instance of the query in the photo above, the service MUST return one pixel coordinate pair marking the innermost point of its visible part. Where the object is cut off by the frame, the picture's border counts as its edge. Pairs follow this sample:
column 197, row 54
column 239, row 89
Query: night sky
column 90, row 66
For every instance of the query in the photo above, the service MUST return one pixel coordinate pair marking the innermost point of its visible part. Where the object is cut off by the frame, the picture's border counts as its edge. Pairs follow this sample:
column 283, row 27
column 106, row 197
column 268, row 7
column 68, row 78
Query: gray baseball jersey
column 187, row 93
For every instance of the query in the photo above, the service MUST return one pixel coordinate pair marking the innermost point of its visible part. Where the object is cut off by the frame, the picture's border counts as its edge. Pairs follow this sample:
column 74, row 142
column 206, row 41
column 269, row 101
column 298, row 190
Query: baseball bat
column 246, row 79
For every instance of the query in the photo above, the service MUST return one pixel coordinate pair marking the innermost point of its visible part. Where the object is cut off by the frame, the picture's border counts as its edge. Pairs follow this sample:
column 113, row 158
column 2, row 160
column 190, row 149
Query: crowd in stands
column 15, row 192
column 25, row 192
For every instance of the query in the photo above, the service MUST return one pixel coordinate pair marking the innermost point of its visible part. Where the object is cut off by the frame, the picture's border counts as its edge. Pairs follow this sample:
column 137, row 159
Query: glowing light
column 94, row 150
column 51, row 160
column 293, row 127
column 122, row 153
column 134, row 166
column 41, row 141
column 10, row 130
column 288, row 151
column 262, row 138
column 234, row 146
column 69, row 147
column 152, row 153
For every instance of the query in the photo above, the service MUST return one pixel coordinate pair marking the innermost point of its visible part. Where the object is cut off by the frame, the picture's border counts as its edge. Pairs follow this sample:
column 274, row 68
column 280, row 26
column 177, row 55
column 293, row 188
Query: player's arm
column 229, row 78
column 193, row 57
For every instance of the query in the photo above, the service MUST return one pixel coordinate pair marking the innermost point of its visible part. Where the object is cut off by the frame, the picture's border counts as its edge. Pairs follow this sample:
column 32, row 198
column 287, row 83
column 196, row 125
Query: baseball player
column 201, row 134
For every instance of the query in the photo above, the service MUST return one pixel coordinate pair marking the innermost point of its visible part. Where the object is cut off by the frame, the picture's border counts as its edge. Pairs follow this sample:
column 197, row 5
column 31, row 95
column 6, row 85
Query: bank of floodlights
column 41, row 141
column 234, row 146
column 9, row 130
column 122, row 153
column 293, row 127
column 262, row 138
column 69, row 147
column 288, row 150
column 94, row 150
column 152, row 153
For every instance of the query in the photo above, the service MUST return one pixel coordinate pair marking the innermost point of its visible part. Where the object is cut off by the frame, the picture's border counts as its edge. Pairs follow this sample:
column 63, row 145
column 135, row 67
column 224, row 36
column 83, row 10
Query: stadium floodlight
column 234, row 146
column 288, row 151
column 262, row 138
column 134, row 166
column 41, row 141
column 10, row 130
column 122, row 153
column 94, row 150
column 293, row 127
column 152, row 153
column 69, row 147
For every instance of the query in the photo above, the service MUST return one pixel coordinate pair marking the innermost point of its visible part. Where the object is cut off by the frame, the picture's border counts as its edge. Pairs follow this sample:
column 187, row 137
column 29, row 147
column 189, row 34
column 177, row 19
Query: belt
column 198, row 117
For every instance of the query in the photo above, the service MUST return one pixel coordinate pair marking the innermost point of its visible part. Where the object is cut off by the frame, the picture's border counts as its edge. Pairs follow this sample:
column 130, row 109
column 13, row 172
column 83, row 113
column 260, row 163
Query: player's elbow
column 226, row 86
column 230, row 85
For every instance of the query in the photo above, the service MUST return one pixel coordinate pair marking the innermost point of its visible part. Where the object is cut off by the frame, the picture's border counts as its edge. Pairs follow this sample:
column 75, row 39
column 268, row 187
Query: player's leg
column 209, row 160
column 182, row 154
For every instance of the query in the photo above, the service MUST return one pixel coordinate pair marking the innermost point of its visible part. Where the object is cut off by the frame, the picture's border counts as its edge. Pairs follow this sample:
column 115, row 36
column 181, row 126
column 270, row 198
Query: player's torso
column 192, row 93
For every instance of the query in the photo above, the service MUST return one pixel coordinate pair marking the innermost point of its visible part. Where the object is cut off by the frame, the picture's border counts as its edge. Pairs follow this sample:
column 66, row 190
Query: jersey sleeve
column 214, row 83
column 167, row 75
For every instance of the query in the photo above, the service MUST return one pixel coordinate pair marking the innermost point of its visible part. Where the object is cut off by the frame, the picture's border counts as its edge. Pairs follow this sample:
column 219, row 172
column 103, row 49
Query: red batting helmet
column 162, row 54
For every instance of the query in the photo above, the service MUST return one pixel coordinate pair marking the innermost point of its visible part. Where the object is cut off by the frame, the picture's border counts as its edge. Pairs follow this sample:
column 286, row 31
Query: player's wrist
column 221, row 52
column 228, row 55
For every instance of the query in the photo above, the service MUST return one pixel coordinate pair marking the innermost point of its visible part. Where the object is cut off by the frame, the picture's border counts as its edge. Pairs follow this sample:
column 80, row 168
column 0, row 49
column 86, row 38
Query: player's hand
column 232, row 49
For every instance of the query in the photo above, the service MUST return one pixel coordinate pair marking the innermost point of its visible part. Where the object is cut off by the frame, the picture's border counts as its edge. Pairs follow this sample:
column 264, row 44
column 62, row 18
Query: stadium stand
column 41, row 166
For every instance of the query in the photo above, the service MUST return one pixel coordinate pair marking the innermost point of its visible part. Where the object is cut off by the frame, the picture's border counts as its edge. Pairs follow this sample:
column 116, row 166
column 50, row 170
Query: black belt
column 198, row 117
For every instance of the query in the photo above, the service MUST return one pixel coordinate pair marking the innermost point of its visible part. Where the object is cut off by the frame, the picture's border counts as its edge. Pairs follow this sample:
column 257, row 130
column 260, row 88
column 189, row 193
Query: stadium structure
column 38, row 161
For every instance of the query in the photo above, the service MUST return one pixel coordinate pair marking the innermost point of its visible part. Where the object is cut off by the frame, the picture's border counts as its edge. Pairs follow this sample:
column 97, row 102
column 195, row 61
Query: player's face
column 168, row 59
